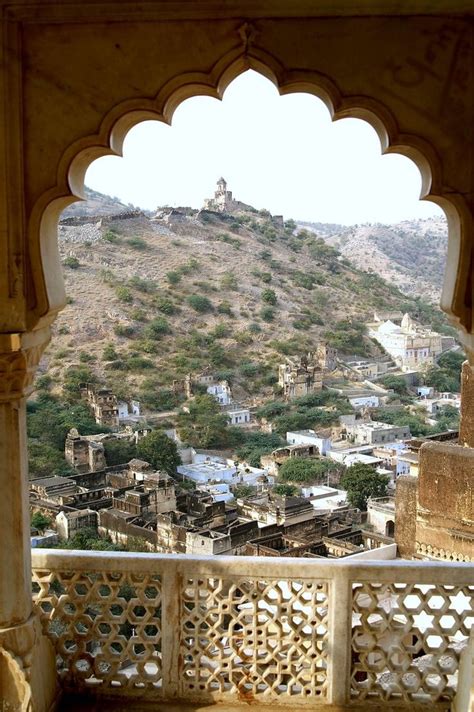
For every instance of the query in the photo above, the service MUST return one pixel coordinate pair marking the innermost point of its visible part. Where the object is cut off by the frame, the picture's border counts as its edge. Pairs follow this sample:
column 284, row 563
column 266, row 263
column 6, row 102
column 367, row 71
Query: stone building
column 222, row 200
column 298, row 377
column 84, row 454
column 103, row 403
column 69, row 523
column 381, row 515
column 371, row 432
column 411, row 346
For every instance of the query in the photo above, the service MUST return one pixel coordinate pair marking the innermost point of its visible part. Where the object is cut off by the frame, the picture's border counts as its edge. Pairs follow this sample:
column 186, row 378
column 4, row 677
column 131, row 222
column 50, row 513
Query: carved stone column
column 27, row 664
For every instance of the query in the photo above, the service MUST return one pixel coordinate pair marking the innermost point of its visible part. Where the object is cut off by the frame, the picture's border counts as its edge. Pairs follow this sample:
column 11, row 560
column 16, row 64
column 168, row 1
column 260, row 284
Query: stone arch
column 42, row 232
column 390, row 528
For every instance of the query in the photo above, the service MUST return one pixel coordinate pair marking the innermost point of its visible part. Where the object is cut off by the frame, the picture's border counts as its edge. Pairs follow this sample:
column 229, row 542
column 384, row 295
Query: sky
column 279, row 153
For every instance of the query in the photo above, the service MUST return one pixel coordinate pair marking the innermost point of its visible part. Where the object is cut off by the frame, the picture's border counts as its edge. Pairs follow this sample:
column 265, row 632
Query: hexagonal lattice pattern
column 106, row 627
column 407, row 639
column 253, row 638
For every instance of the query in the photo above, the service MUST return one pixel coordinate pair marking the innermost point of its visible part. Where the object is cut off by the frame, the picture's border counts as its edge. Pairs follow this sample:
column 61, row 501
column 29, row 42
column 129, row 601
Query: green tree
column 395, row 383
column 173, row 277
column 160, row 451
column 306, row 469
column 287, row 490
column 118, row 452
column 40, row 522
column 267, row 313
column 361, row 482
column 243, row 491
column 205, row 425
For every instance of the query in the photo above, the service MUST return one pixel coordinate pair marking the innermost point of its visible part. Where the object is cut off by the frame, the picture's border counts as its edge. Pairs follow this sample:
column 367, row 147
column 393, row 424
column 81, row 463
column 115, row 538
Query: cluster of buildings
column 133, row 501
column 220, row 390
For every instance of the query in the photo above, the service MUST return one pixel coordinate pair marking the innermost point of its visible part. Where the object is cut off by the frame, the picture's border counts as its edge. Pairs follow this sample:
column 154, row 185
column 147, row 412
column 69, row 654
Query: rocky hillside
column 95, row 204
column 150, row 299
column 410, row 254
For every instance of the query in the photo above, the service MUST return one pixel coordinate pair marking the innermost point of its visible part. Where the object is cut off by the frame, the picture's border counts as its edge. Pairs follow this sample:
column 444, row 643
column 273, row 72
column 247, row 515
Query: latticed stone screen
column 289, row 632
column 106, row 627
column 253, row 638
column 407, row 640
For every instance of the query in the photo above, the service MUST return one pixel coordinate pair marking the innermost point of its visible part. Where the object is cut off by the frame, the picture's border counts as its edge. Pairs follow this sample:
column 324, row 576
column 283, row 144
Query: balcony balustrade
column 227, row 630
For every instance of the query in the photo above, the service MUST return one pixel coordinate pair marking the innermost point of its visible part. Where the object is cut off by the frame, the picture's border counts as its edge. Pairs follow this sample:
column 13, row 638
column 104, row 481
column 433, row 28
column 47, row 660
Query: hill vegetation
column 151, row 299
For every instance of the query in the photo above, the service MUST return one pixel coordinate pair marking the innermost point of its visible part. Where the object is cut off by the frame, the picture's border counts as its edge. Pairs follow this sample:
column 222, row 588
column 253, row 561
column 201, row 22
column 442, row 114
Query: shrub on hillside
column 71, row 262
column 199, row 303
column 157, row 328
column 123, row 294
column 137, row 243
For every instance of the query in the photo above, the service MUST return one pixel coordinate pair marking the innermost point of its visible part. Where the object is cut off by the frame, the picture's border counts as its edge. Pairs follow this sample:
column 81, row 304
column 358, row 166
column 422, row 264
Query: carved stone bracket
column 19, row 358
column 28, row 680
column 16, row 647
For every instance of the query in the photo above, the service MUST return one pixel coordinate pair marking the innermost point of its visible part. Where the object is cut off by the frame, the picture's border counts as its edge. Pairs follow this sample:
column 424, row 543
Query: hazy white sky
column 279, row 153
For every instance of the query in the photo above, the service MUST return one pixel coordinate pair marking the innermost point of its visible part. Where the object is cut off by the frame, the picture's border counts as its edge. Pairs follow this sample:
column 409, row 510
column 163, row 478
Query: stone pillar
column 27, row 664
column 466, row 427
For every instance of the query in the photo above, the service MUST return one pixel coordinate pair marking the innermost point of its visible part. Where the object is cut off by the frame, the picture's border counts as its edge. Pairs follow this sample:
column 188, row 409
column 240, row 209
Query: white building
column 310, row 437
column 128, row 409
column 212, row 472
column 374, row 433
column 412, row 347
column 238, row 416
column 355, row 458
column 369, row 401
column 221, row 392
column 325, row 499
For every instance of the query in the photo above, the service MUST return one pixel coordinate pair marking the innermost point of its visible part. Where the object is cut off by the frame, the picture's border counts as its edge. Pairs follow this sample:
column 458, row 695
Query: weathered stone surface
column 466, row 428
column 405, row 515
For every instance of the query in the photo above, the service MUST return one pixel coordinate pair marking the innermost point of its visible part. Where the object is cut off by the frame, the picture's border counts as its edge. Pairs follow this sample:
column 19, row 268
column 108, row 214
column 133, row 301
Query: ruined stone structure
column 300, row 376
column 69, row 523
column 75, row 78
column 84, row 454
column 103, row 403
column 222, row 200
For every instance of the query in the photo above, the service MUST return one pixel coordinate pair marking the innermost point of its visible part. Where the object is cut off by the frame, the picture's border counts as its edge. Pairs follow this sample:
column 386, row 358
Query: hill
column 150, row 299
column 95, row 204
column 410, row 254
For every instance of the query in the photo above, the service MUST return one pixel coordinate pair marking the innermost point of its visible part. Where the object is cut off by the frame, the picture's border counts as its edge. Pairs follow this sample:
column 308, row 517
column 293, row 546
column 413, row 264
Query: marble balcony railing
column 346, row 634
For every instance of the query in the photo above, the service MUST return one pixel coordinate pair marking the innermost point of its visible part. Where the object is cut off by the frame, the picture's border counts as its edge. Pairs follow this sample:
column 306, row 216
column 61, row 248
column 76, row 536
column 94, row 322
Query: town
column 310, row 470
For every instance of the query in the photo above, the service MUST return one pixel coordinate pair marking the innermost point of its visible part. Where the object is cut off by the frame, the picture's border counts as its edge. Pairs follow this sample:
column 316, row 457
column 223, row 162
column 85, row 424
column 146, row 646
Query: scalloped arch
column 108, row 140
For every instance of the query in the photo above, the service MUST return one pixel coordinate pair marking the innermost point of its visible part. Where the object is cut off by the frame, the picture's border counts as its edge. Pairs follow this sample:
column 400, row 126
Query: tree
column 287, row 490
column 306, row 469
column 40, row 521
column 117, row 452
column 396, row 383
column 205, row 425
column 361, row 482
column 161, row 452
